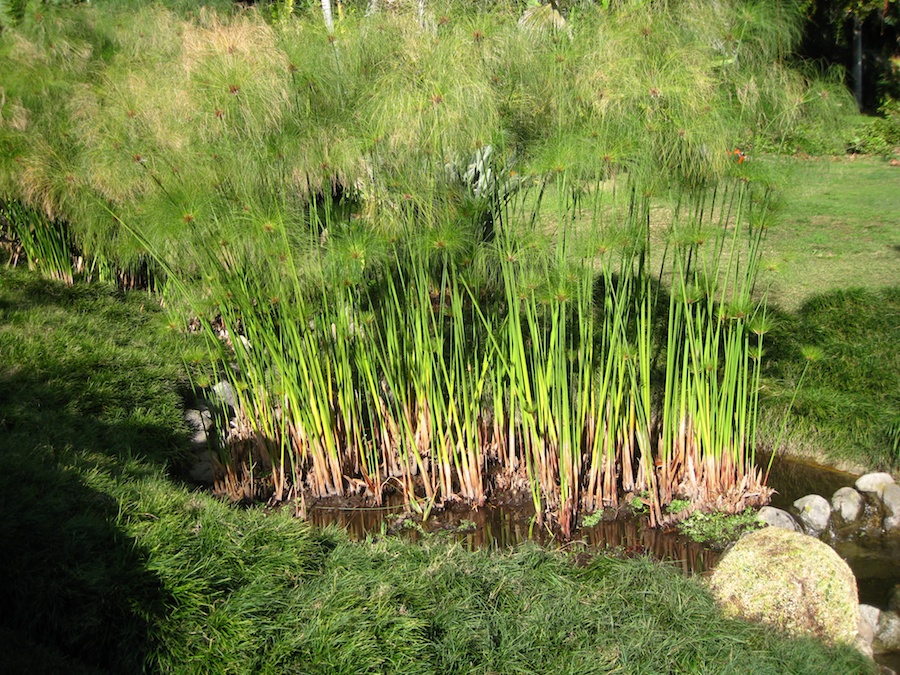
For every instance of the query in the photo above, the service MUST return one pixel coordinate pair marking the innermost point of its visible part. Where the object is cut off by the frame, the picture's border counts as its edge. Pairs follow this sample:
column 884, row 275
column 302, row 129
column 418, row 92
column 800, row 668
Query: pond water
column 874, row 559
column 507, row 526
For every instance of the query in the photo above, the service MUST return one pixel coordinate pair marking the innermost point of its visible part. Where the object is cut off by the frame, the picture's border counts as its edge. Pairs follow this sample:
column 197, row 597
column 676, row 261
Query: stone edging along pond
column 869, row 509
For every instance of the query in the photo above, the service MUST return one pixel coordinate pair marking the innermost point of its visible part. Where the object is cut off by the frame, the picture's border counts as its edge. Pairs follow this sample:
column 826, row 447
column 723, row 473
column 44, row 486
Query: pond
column 873, row 559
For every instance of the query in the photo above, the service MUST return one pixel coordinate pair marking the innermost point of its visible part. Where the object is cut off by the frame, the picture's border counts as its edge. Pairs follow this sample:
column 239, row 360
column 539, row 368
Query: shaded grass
column 111, row 566
column 849, row 405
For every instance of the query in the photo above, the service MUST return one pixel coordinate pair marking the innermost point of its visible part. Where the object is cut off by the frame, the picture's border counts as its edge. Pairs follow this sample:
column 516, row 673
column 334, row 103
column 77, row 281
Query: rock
column 874, row 483
column 199, row 422
column 847, row 503
column 868, row 623
column 790, row 581
column 201, row 470
column 778, row 518
column 890, row 498
column 223, row 396
column 894, row 599
column 814, row 512
column 887, row 634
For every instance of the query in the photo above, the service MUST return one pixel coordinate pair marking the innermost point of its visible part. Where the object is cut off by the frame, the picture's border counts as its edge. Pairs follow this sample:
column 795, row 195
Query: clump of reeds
column 431, row 357
column 44, row 245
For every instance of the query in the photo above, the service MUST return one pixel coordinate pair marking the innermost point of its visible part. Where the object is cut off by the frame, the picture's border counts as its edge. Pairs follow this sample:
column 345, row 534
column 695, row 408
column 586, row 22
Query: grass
column 831, row 261
column 114, row 566
column 838, row 227
column 848, row 409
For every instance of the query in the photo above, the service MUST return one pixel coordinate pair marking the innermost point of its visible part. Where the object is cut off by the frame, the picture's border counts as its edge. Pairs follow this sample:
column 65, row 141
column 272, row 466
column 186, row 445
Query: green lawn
column 837, row 227
column 832, row 256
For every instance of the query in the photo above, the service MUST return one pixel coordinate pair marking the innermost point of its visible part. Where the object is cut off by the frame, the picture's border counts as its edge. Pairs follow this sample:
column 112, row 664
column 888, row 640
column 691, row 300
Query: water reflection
column 795, row 479
column 504, row 527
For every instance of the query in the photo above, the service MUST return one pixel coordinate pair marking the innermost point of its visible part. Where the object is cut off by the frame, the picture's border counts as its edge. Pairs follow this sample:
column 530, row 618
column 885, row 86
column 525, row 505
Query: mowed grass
column 110, row 565
column 847, row 407
column 837, row 226
column 832, row 259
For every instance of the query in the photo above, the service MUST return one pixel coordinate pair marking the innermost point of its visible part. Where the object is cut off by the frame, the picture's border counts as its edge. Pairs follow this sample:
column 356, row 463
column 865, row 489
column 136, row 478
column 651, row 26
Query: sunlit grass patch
column 836, row 227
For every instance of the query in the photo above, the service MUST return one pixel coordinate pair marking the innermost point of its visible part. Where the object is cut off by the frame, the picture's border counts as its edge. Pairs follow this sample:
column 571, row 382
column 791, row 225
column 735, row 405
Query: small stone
column 887, row 634
column 868, row 623
column 814, row 512
column 223, row 394
column 874, row 483
column 199, row 422
column 778, row 518
column 890, row 497
column 201, row 471
column 847, row 503
column 894, row 599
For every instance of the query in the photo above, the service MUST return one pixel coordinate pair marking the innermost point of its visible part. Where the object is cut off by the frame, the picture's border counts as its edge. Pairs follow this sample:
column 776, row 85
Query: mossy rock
column 790, row 581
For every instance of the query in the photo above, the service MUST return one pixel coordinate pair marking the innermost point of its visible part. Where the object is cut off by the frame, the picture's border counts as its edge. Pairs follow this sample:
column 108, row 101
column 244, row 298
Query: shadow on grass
column 76, row 592
column 849, row 399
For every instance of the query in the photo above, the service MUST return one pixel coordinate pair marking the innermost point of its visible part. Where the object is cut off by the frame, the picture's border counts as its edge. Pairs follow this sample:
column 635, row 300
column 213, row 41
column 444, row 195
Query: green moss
column 790, row 581
column 719, row 528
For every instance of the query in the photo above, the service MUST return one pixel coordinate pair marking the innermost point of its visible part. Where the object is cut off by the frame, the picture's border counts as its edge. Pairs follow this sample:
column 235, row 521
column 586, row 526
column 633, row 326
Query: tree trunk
column 857, row 62
column 329, row 18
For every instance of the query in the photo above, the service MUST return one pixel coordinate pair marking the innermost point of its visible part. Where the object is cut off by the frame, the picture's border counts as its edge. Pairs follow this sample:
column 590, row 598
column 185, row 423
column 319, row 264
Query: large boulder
column 790, row 581
column 814, row 512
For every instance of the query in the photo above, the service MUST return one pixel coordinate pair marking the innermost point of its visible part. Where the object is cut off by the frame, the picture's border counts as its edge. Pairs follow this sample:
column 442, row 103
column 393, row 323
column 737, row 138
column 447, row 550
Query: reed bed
column 427, row 357
column 421, row 246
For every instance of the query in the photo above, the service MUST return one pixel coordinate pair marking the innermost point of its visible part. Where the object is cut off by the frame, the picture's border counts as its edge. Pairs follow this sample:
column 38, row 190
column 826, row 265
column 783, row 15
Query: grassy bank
column 847, row 409
column 112, row 566
column 833, row 268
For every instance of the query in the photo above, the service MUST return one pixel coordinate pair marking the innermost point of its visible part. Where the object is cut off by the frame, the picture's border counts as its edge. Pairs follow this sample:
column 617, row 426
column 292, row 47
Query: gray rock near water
column 201, row 469
column 199, row 422
column 778, row 518
column 894, row 599
column 847, row 503
column 874, row 483
column 887, row 634
column 814, row 512
column 868, row 624
column 223, row 394
column 890, row 498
